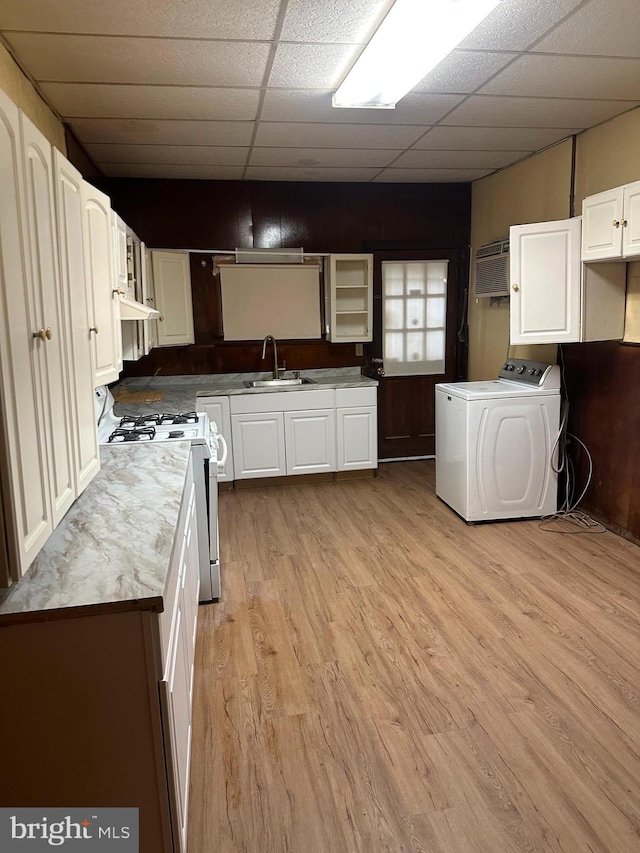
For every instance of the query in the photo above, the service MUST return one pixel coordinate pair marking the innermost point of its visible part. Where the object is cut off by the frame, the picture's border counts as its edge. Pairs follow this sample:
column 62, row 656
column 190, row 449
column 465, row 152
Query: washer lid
column 493, row 389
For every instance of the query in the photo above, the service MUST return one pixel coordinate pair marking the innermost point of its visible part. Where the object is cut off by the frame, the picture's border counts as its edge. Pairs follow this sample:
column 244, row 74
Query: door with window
column 415, row 296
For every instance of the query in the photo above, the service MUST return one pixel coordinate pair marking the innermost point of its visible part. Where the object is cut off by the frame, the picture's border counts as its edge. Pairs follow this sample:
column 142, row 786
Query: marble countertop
column 112, row 550
column 180, row 393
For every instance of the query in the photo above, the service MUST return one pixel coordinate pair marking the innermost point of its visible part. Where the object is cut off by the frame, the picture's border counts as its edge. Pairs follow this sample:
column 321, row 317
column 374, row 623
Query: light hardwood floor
column 379, row 676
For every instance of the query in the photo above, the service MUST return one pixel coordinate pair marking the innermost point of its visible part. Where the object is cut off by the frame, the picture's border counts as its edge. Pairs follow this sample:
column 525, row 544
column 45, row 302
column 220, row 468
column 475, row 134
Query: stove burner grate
column 141, row 433
column 136, row 421
column 182, row 418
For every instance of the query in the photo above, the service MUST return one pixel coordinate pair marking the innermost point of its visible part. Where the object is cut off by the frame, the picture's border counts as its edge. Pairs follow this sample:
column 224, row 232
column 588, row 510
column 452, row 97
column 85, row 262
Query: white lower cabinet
column 258, row 444
column 303, row 432
column 310, row 441
column 357, row 428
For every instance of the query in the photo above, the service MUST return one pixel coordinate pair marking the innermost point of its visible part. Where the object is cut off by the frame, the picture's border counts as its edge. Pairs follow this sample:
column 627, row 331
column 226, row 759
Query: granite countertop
column 112, row 550
column 180, row 393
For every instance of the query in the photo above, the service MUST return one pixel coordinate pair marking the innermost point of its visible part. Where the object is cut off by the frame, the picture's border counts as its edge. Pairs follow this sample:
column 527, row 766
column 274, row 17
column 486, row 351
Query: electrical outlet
column 359, row 349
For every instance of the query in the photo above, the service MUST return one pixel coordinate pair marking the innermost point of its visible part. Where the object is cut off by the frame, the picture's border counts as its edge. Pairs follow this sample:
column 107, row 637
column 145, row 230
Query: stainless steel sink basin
column 278, row 383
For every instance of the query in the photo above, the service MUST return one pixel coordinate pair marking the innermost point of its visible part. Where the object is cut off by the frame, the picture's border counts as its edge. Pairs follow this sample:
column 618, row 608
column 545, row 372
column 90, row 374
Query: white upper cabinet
column 25, row 478
column 349, row 289
column 104, row 306
column 555, row 298
column 68, row 186
column 172, row 287
column 612, row 224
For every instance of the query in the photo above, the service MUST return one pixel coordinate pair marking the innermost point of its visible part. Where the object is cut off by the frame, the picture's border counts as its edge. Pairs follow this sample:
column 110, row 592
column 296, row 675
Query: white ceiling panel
column 534, row 112
column 144, row 131
column 601, row 27
column 148, row 170
column 99, row 100
column 569, row 77
column 425, row 159
column 463, row 71
column 311, row 66
column 309, row 157
column 516, row 24
column 205, row 155
column 333, row 21
column 308, row 135
column 97, row 59
column 429, row 176
column 309, row 173
column 520, row 140
column 222, row 19
column 242, row 88
column 315, row 105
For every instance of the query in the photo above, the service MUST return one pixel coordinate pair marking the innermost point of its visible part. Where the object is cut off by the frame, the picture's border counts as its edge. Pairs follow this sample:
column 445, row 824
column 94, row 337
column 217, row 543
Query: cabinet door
column 103, row 314
column 631, row 221
column 602, row 229
column 310, row 441
column 217, row 408
column 172, row 285
column 49, row 310
column 545, row 282
column 148, row 298
column 23, row 459
column 350, row 289
column 258, row 445
column 357, row 438
column 68, row 184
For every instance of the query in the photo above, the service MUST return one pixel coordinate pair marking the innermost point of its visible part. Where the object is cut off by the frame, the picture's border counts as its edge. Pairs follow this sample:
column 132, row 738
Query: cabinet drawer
column 282, row 401
column 356, row 397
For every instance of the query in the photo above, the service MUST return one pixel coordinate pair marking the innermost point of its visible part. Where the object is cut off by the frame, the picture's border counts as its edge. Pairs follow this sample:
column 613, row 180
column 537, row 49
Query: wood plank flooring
column 379, row 676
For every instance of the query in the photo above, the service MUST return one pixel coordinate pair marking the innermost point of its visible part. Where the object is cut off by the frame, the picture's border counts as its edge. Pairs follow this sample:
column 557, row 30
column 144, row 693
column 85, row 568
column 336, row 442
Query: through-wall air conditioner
column 492, row 269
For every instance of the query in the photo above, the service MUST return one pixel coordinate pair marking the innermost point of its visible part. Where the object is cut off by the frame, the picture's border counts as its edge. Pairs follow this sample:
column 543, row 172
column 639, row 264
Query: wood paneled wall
column 249, row 214
column 603, row 384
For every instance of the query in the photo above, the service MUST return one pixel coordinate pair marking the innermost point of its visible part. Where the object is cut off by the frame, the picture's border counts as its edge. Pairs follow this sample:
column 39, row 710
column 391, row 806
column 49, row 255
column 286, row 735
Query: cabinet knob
column 515, row 287
column 48, row 333
column 41, row 333
column 161, row 318
column 616, row 223
column 119, row 292
column 623, row 222
column 94, row 329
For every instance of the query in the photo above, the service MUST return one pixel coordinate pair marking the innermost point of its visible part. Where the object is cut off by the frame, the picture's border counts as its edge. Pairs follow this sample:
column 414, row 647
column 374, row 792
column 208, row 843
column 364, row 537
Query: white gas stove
column 208, row 452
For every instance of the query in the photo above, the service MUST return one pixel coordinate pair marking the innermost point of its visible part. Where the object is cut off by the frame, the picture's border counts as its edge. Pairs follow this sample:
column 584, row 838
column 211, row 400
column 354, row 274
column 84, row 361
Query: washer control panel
column 535, row 373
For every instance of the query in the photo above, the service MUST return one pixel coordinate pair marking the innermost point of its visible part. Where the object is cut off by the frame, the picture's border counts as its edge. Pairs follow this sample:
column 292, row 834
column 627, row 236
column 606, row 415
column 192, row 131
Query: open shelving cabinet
column 350, row 297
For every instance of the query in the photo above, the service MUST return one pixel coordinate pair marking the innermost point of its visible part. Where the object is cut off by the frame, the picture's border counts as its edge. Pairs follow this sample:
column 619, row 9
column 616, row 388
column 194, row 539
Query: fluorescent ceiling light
column 414, row 37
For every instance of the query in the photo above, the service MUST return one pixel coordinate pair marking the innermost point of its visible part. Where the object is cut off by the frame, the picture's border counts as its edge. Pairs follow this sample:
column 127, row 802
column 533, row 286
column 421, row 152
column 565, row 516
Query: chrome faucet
column 275, row 354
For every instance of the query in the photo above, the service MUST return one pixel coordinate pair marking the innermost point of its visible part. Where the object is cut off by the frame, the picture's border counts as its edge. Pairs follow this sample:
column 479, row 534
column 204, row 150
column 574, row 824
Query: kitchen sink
column 278, row 383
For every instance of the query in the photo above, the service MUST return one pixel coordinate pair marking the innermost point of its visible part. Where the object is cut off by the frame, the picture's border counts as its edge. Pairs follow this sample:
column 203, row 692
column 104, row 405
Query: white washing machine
column 495, row 441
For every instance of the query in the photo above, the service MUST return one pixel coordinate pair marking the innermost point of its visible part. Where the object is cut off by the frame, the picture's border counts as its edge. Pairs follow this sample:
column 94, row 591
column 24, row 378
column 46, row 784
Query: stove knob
column 532, row 371
column 521, row 369
column 505, row 366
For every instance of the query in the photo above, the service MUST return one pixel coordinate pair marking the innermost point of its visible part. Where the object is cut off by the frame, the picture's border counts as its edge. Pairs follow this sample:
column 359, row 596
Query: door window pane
column 415, row 303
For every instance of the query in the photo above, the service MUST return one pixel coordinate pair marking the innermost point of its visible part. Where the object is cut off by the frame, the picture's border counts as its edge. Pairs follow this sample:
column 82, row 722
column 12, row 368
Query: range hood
column 132, row 310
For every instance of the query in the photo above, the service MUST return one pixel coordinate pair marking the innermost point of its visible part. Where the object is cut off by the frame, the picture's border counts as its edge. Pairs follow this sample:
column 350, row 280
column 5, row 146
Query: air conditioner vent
column 492, row 269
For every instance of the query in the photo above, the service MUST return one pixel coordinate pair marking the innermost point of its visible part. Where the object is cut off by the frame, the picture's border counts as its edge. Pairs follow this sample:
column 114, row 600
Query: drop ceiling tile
column 425, row 159
column 569, row 77
column 233, row 19
column 311, row 66
column 101, row 100
column 145, row 131
column 168, row 155
column 333, row 21
column 516, row 24
column 602, row 27
column 463, row 71
column 484, row 110
column 523, row 139
column 104, row 59
column 309, row 173
column 325, row 157
column 315, row 105
column 430, row 176
column 309, row 135
column 142, row 170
